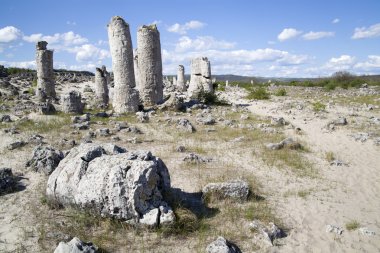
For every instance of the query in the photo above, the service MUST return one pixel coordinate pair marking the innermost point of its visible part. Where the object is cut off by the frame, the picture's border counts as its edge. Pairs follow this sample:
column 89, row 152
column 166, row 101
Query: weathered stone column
column 45, row 72
column 200, row 79
column 72, row 102
column 125, row 96
column 181, row 86
column 149, row 65
column 101, row 87
column 136, row 68
column 106, row 74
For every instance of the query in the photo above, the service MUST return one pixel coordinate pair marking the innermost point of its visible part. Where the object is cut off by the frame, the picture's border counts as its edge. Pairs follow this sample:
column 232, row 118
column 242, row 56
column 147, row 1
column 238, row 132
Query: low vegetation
column 352, row 225
column 259, row 93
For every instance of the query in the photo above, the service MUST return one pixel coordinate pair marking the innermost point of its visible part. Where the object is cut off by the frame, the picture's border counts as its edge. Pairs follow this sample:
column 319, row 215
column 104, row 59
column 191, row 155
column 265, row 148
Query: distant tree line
column 14, row 71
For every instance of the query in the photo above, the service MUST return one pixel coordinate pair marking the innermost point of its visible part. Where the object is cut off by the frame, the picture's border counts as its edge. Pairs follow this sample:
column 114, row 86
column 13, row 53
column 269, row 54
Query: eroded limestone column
column 101, row 86
column 149, row 65
column 71, row 102
column 136, row 67
column 200, row 79
column 125, row 96
column 106, row 74
column 181, row 85
column 45, row 72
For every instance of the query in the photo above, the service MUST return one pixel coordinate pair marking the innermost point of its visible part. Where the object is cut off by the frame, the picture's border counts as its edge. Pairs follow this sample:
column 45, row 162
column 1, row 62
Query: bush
column 280, row 92
column 210, row 98
column 259, row 93
column 318, row 106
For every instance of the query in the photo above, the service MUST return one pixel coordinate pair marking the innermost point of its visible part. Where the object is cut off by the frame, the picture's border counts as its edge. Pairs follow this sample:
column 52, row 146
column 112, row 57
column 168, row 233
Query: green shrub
column 318, row 106
column 259, row 93
column 280, row 92
column 210, row 98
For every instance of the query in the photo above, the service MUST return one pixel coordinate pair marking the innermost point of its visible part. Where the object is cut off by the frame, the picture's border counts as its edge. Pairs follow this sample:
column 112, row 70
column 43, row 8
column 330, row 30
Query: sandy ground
column 336, row 195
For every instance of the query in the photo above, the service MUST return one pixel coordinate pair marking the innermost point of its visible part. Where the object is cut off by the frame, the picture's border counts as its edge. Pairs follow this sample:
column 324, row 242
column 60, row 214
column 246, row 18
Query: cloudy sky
column 272, row 38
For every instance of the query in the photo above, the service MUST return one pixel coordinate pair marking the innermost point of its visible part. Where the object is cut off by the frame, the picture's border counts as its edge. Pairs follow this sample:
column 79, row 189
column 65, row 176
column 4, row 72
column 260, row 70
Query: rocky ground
column 316, row 192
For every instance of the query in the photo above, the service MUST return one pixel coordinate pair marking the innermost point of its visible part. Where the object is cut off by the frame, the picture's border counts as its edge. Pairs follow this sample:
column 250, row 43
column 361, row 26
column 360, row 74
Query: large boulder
column 112, row 182
column 45, row 159
column 76, row 246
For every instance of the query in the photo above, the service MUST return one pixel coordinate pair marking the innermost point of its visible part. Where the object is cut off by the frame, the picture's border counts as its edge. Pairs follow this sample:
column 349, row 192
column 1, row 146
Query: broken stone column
column 149, row 65
column 125, row 96
column 174, row 81
column 72, row 102
column 181, row 85
column 200, row 79
column 45, row 72
column 101, row 87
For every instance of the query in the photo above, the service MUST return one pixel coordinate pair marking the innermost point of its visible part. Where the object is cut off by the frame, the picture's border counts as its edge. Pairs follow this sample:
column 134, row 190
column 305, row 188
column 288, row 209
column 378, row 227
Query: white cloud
column 288, row 33
column 225, row 59
column 20, row 64
column 89, row 52
column 364, row 32
column 62, row 39
column 335, row 21
column 317, row 35
column 342, row 60
column 9, row 34
column 182, row 29
column 202, row 43
column 89, row 67
column 372, row 64
column 71, row 22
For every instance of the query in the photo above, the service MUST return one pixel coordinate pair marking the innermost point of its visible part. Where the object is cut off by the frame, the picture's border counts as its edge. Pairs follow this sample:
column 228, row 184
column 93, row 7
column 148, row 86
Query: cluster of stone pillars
column 137, row 75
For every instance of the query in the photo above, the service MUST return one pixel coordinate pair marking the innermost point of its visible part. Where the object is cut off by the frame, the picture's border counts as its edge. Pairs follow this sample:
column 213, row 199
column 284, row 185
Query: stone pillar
column 149, row 65
column 200, row 79
column 181, row 85
column 136, row 68
column 106, row 74
column 174, row 80
column 125, row 96
column 72, row 102
column 101, row 86
column 45, row 72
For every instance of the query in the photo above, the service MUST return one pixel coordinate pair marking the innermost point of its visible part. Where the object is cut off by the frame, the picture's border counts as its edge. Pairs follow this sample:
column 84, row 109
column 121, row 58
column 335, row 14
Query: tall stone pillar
column 200, row 79
column 181, row 85
column 125, row 96
column 136, row 68
column 101, row 87
column 149, row 65
column 45, row 72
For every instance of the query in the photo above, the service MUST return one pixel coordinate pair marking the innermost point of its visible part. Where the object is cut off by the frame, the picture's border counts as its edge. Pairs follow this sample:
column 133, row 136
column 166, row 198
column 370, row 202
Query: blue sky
column 283, row 38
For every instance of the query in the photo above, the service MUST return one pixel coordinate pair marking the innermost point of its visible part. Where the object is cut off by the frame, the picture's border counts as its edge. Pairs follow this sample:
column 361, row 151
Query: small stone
column 81, row 119
column 76, row 246
column 194, row 158
column 267, row 233
column 181, row 149
column 236, row 189
column 221, row 245
column 5, row 118
column 16, row 144
column 334, row 229
column 7, row 180
column 185, row 125
column 366, row 231
column 104, row 132
column 143, row 117
column 45, row 159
